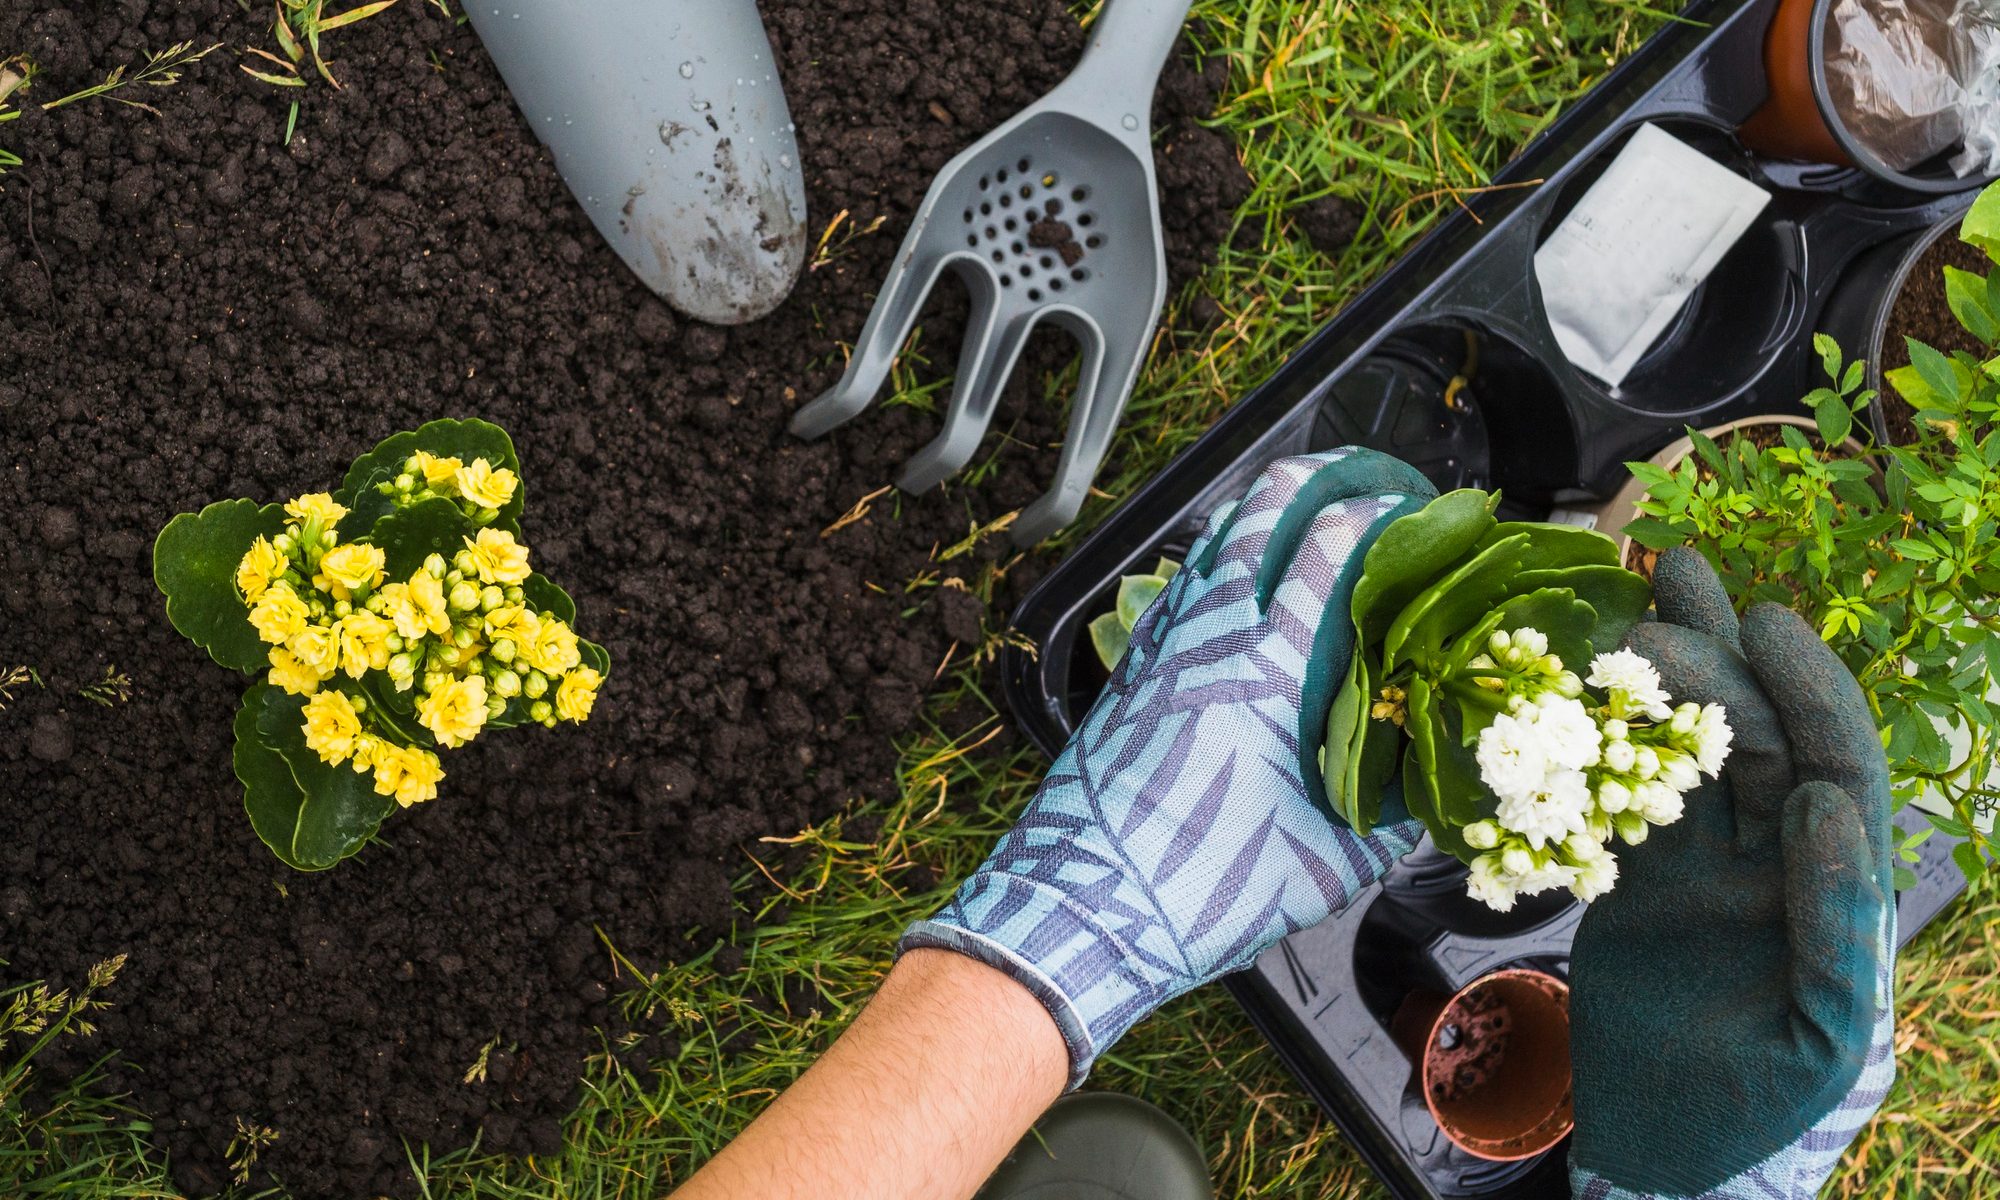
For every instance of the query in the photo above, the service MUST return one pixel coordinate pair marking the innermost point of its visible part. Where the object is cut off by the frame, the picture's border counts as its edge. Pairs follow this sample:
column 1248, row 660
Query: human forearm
column 941, row 1074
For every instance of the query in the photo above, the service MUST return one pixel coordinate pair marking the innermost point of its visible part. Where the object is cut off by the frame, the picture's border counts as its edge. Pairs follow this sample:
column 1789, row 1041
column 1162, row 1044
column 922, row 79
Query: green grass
column 1405, row 108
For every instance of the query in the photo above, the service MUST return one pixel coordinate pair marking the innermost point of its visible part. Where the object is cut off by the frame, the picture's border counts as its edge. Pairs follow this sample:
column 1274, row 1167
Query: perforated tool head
column 1051, row 217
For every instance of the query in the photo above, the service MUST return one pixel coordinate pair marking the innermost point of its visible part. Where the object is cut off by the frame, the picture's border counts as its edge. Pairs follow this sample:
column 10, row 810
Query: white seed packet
column 1644, row 236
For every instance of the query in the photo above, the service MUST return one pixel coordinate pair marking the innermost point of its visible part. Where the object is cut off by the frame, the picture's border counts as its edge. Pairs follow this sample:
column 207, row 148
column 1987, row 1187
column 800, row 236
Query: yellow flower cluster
column 479, row 485
column 462, row 635
column 334, row 732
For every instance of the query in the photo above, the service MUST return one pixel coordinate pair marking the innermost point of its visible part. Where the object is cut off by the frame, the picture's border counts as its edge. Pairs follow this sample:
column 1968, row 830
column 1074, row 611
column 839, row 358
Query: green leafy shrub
column 1893, row 556
column 389, row 619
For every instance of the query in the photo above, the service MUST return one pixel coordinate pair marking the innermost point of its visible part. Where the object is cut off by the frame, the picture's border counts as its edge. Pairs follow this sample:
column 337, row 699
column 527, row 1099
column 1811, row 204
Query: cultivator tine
column 1110, row 365
column 889, row 322
column 983, row 367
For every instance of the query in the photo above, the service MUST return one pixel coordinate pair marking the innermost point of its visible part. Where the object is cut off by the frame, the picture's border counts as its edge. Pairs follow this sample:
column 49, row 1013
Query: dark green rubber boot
column 1102, row 1146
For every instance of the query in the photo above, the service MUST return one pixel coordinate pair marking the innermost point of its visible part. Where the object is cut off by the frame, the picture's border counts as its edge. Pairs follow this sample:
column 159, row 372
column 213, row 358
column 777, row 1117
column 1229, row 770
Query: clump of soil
column 1051, row 234
column 1922, row 312
column 1329, row 223
column 195, row 308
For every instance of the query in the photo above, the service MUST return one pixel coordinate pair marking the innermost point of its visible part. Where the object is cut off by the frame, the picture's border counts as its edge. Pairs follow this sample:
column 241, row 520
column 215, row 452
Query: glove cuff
column 1092, row 983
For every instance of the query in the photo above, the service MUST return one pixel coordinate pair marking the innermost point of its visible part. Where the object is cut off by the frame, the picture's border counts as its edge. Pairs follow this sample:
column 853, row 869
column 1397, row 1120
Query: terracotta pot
column 1790, row 124
column 1493, row 1062
column 1800, row 120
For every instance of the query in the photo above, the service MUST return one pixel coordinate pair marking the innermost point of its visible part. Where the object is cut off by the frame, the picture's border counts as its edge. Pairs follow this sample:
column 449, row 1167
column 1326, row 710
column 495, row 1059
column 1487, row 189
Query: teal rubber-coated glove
column 1183, row 830
column 1731, row 996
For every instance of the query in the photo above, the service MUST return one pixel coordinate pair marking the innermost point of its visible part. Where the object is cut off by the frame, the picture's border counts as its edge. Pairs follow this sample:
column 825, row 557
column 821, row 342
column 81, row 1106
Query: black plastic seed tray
column 1448, row 362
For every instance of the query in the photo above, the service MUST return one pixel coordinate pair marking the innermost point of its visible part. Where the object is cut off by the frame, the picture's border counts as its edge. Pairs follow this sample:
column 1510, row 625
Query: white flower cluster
column 1570, row 776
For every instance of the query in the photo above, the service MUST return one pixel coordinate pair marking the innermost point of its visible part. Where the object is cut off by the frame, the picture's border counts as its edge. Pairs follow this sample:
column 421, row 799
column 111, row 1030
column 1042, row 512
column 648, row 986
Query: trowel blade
column 668, row 122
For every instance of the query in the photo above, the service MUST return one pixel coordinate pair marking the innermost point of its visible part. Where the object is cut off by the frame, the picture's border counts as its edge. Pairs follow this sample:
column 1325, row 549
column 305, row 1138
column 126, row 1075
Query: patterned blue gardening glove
column 1731, row 1003
column 1183, row 830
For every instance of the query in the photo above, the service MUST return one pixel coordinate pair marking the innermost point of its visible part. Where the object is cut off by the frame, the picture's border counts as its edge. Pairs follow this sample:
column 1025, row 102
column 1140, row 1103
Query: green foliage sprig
column 389, row 619
column 1111, row 632
column 1892, row 556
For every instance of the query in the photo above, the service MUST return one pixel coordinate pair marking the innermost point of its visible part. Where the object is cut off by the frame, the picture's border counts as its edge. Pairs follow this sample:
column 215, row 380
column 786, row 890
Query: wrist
column 936, row 1080
column 1089, row 986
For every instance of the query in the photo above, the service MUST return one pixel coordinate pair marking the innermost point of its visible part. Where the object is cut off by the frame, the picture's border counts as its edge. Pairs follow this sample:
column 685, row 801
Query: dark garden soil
column 191, row 310
column 1923, row 313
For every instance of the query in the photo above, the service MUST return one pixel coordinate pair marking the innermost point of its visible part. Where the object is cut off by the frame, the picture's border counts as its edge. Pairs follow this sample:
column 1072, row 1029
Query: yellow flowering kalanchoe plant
column 390, row 619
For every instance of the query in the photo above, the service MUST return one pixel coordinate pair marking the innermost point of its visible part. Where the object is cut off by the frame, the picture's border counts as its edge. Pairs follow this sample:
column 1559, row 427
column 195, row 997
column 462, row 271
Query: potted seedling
column 1616, row 515
column 393, row 618
column 1470, row 636
column 1899, row 572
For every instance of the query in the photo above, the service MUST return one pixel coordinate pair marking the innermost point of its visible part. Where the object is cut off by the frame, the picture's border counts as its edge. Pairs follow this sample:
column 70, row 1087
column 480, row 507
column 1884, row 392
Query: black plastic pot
column 1801, row 118
column 1448, row 361
column 1858, row 312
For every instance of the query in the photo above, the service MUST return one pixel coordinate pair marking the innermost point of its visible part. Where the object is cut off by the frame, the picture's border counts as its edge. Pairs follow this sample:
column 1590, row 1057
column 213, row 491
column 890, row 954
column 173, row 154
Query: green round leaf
column 1981, row 226
column 317, row 813
column 271, row 796
column 462, row 439
column 1412, row 551
column 1441, row 781
column 1109, row 637
column 543, row 595
column 1135, row 594
column 194, row 565
column 1551, row 546
column 1346, row 719
column 1568, row 622
column 407, row 536
column 1617, row 597
column 1453, row 602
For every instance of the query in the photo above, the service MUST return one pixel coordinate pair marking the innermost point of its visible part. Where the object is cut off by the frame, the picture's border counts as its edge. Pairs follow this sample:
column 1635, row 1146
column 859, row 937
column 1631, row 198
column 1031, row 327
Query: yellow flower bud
column 315, row 506
column 553, row 650
column 278, row 614
column 259, row 567
column 352, row 568
column 486, row 485
column 497, row 557
column 438, row 472
column 331, row 726
column 455, row 712
column 292, row 675
column 578, row 694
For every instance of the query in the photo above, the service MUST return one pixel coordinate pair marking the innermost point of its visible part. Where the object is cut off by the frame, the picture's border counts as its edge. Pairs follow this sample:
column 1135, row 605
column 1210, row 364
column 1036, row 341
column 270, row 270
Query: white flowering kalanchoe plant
column 1469, row 633
column 390, row 619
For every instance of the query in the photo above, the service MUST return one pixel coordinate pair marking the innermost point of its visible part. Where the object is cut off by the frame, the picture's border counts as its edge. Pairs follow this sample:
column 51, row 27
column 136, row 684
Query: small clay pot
column 1800, row 119
column 1790, row 124
column 1493, row 1062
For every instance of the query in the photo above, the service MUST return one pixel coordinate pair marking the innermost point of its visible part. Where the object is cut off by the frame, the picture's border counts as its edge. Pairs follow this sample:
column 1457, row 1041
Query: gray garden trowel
column 1053, row 217
column 667, row 120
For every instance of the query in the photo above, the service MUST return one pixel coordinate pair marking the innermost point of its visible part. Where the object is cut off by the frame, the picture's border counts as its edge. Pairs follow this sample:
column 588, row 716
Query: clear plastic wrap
column 1914, row 78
